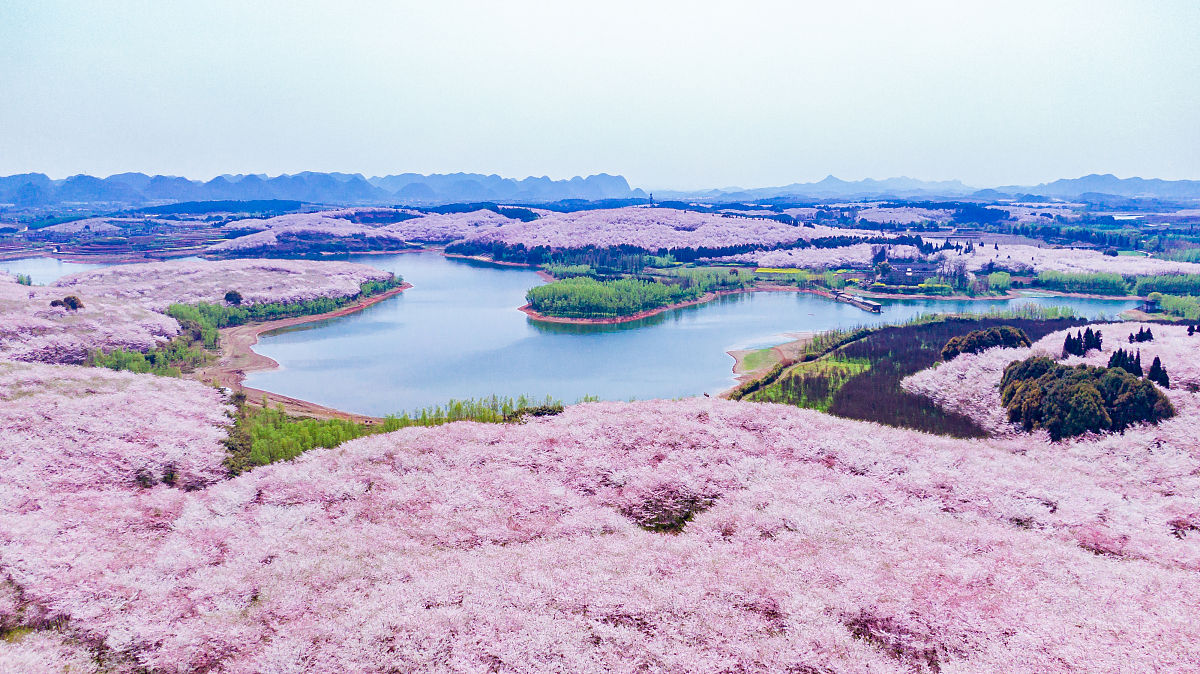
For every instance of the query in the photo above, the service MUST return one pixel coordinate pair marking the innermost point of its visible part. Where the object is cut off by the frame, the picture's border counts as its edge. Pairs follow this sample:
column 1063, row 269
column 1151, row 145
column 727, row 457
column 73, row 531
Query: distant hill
column 1109, row 184
column 832, row 187
column 415, row 189
column 36, row 189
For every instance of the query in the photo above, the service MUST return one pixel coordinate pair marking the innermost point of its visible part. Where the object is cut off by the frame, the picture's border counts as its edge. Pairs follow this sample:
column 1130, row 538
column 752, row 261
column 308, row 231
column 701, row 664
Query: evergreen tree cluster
column 1081, row 343
column 1142, row 335
column 1158, row 374
column 979, row 340
column 1069, row 401
column 1127, row 361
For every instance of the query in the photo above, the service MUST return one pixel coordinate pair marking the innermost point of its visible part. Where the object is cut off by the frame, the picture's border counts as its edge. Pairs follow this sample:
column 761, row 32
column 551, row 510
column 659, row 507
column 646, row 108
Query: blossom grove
column 122, row 304
column 806, row 542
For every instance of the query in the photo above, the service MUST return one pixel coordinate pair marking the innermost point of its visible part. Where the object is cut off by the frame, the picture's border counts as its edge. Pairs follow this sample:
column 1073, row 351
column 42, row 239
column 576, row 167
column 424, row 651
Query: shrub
column 1070, row 401
column 233, row 297
column 999, row 280
column 70, row 302
column 979, row 340
column 1184, row 306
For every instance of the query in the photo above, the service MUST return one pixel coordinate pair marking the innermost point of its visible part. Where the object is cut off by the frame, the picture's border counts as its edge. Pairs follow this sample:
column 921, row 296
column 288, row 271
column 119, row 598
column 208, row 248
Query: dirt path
column 237, row 357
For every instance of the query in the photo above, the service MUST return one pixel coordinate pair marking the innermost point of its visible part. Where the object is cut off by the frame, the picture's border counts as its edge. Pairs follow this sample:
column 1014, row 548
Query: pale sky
column 669, row 94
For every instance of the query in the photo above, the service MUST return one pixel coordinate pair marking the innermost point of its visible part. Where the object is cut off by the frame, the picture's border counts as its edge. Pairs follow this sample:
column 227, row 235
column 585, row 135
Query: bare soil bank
column 786, row 352
column 488, row 260
column 238, row 357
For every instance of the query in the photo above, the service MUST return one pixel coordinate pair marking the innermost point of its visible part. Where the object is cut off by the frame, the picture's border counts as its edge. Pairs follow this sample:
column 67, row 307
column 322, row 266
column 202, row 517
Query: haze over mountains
column 37, row 189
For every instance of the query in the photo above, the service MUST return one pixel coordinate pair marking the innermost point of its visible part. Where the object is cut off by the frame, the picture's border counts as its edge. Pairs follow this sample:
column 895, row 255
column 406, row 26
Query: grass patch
column 813, row 384
column 759, row 359
column 170, row 360
column 264, row 435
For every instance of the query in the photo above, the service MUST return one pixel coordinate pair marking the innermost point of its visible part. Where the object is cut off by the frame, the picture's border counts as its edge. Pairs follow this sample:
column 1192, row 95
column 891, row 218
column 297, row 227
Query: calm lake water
column 457, row 334
column 44, row 270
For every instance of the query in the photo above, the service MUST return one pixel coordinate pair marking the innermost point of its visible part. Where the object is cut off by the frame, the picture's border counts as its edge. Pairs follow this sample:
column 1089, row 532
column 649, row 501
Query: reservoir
column 457, row 334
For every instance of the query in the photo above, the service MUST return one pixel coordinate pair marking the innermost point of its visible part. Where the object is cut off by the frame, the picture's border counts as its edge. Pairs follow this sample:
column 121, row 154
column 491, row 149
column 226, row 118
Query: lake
column 46, row 270
column 457, row 334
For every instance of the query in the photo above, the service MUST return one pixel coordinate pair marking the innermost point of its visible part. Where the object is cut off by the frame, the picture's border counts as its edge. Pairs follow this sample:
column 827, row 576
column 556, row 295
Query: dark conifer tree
column 1071, row 346
column 1158, row 374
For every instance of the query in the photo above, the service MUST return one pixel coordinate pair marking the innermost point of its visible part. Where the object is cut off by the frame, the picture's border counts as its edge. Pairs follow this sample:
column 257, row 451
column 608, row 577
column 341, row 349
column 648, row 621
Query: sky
column 682, row 95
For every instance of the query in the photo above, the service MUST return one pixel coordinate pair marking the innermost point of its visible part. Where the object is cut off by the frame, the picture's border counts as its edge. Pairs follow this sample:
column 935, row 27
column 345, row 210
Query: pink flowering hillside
column 32, row 330
column 159, row 284
column 122, row 304
column 94, row 225
column 80, row 452
column 285, row 230
column 905, row 215
column 440, row 227
column 692, row 536
column 1070, row 260
column 970, row 384
column 859, row 253
column 48, row 652
column 272, row 233
column 649, row 228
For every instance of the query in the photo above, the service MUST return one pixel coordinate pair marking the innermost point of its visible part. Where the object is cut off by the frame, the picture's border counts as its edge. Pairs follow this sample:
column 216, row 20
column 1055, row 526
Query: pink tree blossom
column 1069, row 260
column 159, row 284
column 806, row 542
column 859, row 253
column 650, row 228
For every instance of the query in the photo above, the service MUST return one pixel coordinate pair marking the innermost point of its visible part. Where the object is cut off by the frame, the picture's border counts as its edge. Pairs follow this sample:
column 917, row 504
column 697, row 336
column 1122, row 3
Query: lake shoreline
column 787, row 351
column 237, row 358
column 1011, row 295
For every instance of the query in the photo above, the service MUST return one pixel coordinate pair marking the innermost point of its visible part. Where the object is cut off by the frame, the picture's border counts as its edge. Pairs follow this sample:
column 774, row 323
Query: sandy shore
column 237, row 357
column 706, row 297
column 487, row 260
column 786, row 352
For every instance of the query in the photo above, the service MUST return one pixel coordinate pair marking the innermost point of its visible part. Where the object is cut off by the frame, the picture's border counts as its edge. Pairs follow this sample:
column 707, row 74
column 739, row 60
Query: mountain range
column 1112, row 185
column 833, row 187
column 37, row 189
